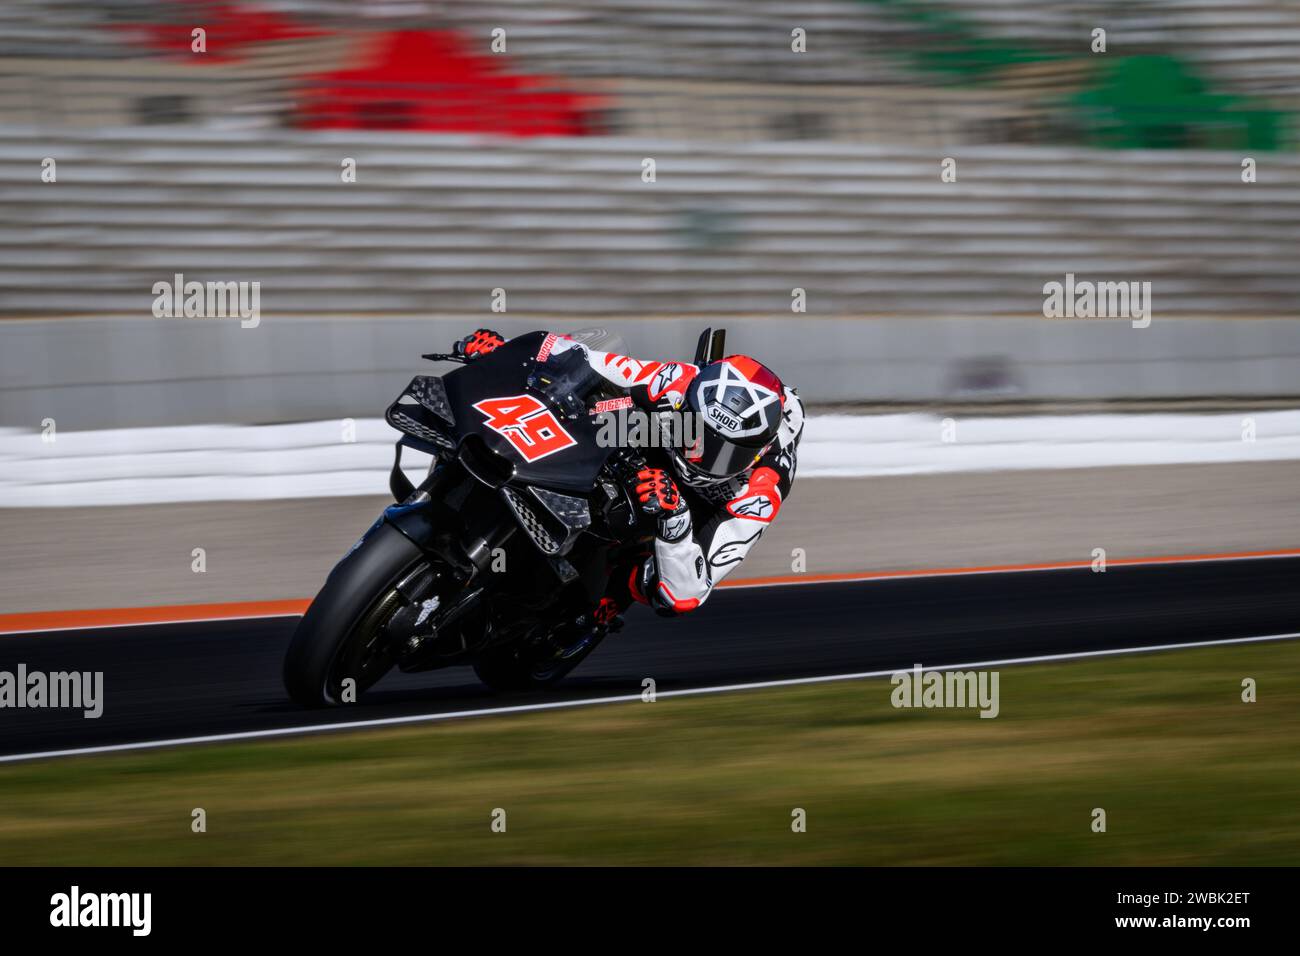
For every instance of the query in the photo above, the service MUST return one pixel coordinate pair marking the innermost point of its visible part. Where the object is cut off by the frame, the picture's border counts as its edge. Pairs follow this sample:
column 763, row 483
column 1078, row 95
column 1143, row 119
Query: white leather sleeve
column 690, row 568
column 682, row 574
column 687, row 570
column 661, row 380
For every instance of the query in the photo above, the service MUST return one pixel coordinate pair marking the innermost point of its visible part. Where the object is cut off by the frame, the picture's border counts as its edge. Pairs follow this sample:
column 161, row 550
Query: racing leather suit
column 697, row 548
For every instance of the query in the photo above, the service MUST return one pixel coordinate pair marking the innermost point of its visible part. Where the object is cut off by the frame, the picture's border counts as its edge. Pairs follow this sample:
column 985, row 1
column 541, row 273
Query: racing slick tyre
column 342, row 634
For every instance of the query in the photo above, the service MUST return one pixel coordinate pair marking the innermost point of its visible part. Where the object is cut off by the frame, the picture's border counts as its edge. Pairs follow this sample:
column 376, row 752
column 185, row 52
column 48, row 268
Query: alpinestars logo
column 757, row 507
column 676, row 527
column 666, row 378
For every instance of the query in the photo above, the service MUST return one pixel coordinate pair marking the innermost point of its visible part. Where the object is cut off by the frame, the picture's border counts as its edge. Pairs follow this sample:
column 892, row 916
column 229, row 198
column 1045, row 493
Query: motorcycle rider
column 720, row 492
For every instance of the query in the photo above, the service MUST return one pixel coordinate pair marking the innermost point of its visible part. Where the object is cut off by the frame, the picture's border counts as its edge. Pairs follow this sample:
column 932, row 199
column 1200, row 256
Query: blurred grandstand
column 776, row 169
column 979, row 70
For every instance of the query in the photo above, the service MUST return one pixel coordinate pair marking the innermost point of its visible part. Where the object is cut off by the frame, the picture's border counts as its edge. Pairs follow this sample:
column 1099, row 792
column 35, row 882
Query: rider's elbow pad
column 677, row 580
column 667, row 604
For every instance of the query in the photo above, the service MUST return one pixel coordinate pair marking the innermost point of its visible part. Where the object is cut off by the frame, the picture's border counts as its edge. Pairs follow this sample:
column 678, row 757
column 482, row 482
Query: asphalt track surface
column 174, row 681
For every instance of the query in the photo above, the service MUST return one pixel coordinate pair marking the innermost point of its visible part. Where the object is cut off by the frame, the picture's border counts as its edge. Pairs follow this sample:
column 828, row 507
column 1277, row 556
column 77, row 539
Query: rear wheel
column 531, row 667
column 342, row 636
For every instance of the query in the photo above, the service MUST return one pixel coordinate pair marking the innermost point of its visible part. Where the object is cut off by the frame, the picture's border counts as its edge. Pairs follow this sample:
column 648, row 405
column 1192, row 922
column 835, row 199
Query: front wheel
column 342, row 634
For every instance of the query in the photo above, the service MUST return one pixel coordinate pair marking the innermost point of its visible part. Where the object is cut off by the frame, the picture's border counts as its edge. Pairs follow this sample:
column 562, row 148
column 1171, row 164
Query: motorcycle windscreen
column 532, row 412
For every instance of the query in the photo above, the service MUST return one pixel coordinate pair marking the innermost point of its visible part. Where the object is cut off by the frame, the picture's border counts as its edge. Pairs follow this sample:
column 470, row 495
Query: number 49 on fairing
column 528, row 424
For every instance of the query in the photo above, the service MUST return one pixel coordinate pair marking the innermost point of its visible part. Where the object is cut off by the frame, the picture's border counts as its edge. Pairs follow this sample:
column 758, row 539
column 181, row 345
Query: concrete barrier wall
column 124, row 372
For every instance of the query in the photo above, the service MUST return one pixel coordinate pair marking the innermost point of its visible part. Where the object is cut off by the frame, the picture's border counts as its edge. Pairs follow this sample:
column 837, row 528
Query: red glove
column 657, row 493
column 481, row 342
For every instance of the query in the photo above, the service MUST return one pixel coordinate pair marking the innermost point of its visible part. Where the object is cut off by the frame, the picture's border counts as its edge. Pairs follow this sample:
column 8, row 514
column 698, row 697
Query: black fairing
column 561, row 382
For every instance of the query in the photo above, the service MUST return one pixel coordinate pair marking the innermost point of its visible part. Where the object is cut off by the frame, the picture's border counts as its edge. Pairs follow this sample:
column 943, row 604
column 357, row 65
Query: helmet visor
column 710, row 457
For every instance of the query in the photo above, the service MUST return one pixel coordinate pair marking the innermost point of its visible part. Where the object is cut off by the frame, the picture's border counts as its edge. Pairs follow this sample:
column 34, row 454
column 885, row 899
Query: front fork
column 427, row 522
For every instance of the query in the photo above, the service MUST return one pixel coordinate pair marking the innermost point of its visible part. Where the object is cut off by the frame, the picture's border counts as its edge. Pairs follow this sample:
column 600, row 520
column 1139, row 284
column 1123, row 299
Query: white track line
column 621, row 699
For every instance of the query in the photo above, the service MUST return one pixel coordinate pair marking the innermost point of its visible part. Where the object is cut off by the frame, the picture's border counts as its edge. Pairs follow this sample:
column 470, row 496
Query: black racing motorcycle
column 498, row 557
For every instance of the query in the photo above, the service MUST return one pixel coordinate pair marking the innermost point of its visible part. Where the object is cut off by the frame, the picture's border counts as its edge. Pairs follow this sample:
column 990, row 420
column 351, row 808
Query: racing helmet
column 737, row 404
